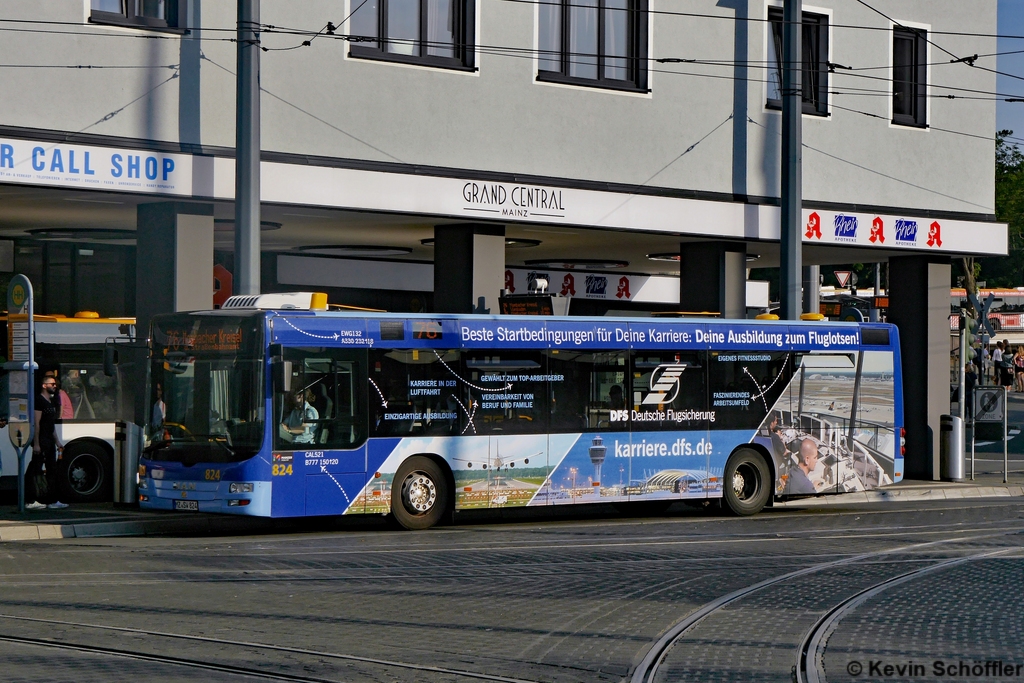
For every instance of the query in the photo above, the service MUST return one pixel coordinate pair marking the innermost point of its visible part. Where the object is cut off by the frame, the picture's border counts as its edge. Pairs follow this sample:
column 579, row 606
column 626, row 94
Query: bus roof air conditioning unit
column 303, row 301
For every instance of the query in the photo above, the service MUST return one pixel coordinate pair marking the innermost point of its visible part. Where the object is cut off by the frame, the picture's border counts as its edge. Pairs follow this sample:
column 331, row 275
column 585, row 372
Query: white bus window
column 416, row 392
column 591, row 396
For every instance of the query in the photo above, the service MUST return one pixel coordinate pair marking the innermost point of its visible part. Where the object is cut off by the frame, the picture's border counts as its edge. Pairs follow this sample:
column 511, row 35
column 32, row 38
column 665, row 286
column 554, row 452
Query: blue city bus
column 273, row 408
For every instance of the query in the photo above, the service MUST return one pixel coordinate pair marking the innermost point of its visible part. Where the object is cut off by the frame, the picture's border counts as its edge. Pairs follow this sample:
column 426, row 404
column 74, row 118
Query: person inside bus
column 79, row 398
column 300, row 425
column 615, row 400
column 799, row 481
column 159, row 408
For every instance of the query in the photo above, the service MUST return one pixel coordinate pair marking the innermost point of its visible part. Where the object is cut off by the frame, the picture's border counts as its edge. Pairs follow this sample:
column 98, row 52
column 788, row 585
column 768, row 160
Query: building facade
column 422, row 155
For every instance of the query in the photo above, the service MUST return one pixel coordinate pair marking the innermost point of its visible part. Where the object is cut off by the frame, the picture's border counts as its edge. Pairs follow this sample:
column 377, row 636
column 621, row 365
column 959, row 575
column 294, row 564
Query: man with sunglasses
column 45, row 443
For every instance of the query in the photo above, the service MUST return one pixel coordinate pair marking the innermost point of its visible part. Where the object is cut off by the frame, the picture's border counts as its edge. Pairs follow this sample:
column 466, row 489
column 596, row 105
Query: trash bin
column 128, row 445
column 951, row 448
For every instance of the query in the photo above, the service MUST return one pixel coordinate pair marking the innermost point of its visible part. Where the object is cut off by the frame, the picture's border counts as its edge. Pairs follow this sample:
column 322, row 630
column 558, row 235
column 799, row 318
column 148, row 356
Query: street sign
column 989, row 404
column 843, row 276
column 21, row 366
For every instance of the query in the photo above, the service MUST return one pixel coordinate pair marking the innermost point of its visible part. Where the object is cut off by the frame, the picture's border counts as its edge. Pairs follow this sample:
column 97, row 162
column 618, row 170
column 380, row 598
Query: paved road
column 690, row 596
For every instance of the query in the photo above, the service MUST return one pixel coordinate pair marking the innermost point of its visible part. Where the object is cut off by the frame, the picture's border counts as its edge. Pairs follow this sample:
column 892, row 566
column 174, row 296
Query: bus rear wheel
column 419, row 494
column 86, row 474
column 747, row 483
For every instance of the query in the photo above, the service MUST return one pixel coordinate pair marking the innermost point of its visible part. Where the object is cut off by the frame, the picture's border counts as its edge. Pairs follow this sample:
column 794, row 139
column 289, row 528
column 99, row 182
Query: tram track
column 809, row 667
column 904, row 554
column 201, row 664
column 647, row 670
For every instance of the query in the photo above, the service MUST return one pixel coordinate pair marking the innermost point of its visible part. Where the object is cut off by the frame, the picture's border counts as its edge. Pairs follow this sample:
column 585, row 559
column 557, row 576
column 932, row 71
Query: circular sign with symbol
column 18, row 295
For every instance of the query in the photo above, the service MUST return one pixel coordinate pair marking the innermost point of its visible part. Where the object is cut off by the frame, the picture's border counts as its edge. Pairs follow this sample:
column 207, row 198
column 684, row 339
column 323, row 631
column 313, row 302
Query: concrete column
column 174, row 260
column 812, row 289
column 173, row 272
column 469, row 265
column 713, row 278
column 919, row 307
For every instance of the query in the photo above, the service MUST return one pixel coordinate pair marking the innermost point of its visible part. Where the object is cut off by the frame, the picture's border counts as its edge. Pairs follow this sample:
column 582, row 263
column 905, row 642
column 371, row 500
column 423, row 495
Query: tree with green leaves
column 1005, row 271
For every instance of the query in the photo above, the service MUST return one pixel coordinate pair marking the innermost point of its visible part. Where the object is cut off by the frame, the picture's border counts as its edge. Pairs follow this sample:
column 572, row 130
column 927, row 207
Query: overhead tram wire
column 529, row 53
column 968, row 60
column 702, row 15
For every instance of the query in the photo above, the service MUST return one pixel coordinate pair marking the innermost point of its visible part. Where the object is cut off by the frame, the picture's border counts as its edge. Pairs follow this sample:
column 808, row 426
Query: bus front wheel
column 419, row 493
column 747, row 483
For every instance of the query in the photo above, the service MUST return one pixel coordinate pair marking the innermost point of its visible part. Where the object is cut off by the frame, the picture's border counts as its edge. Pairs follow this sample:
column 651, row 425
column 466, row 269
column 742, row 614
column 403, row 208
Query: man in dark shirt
column 45, row 443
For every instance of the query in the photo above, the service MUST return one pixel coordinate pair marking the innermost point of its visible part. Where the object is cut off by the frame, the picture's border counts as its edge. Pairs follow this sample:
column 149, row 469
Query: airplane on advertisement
column 498, row 462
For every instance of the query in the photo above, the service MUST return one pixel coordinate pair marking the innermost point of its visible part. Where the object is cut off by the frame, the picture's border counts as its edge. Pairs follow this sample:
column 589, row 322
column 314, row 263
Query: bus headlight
column 240, row 488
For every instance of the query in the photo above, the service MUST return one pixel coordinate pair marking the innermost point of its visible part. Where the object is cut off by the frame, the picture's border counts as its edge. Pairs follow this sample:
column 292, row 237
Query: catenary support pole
column 247, row 150
column 790, row 270
column 873, row 312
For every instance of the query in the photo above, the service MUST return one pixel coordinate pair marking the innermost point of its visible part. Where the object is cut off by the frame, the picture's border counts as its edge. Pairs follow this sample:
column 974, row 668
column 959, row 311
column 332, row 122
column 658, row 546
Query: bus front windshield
column 206, row 401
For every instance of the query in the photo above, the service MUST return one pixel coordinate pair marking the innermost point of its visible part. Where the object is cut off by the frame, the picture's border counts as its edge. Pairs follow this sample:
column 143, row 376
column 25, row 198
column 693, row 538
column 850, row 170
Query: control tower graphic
column 597, row 453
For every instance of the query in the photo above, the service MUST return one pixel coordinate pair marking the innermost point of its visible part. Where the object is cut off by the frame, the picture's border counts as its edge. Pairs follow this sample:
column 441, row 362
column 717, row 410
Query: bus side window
column 416, row 392
column 510, row 389
column 591, row 394
column 331, row 412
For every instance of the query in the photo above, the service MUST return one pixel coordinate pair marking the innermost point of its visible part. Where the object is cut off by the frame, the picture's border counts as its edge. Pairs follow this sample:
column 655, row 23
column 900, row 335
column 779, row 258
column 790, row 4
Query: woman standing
column 1018, row 369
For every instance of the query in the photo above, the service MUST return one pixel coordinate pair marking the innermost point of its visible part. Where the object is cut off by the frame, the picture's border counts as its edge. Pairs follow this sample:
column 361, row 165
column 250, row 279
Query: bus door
column 319, row 457
column 670, row 441
column 504, row 460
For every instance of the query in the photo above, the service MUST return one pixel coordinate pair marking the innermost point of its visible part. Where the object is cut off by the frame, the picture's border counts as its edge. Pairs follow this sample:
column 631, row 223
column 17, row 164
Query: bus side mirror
column 109, row 360
column 282, row 375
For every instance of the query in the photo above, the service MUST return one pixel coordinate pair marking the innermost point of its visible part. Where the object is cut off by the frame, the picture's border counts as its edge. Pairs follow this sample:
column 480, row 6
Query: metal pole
column 874, row 312
column 962, row 367
column 974, row 426
column 1006, row 460
column 791, row 257
column 247, row 150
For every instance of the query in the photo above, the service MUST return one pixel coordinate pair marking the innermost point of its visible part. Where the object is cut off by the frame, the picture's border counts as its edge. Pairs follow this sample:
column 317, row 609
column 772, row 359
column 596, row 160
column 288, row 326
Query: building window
column 594, row 42
column 427, row 32
column 815, row 62
column 909, row 77
column 165, row 14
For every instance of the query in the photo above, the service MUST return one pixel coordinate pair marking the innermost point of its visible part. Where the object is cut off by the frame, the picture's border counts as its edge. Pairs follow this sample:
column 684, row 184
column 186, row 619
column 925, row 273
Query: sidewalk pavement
column 97, row 520
column 93, row 520
column 988, row 484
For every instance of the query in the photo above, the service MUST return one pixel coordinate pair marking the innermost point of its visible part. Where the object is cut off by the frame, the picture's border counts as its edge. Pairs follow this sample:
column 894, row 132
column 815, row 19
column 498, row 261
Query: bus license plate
column 190, row 505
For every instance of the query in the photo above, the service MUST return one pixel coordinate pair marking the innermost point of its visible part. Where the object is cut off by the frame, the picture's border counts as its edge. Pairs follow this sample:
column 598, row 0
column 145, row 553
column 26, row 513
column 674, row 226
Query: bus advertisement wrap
column 488, row 412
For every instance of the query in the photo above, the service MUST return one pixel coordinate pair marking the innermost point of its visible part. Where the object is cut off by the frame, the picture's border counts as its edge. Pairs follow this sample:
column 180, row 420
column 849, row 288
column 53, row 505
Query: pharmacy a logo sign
column 664, row 385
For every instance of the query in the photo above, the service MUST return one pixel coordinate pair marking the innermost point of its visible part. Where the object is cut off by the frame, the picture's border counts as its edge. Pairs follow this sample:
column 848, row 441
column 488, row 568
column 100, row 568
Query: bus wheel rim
column 419, row 493
column 745, row 482
column 84, row 474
